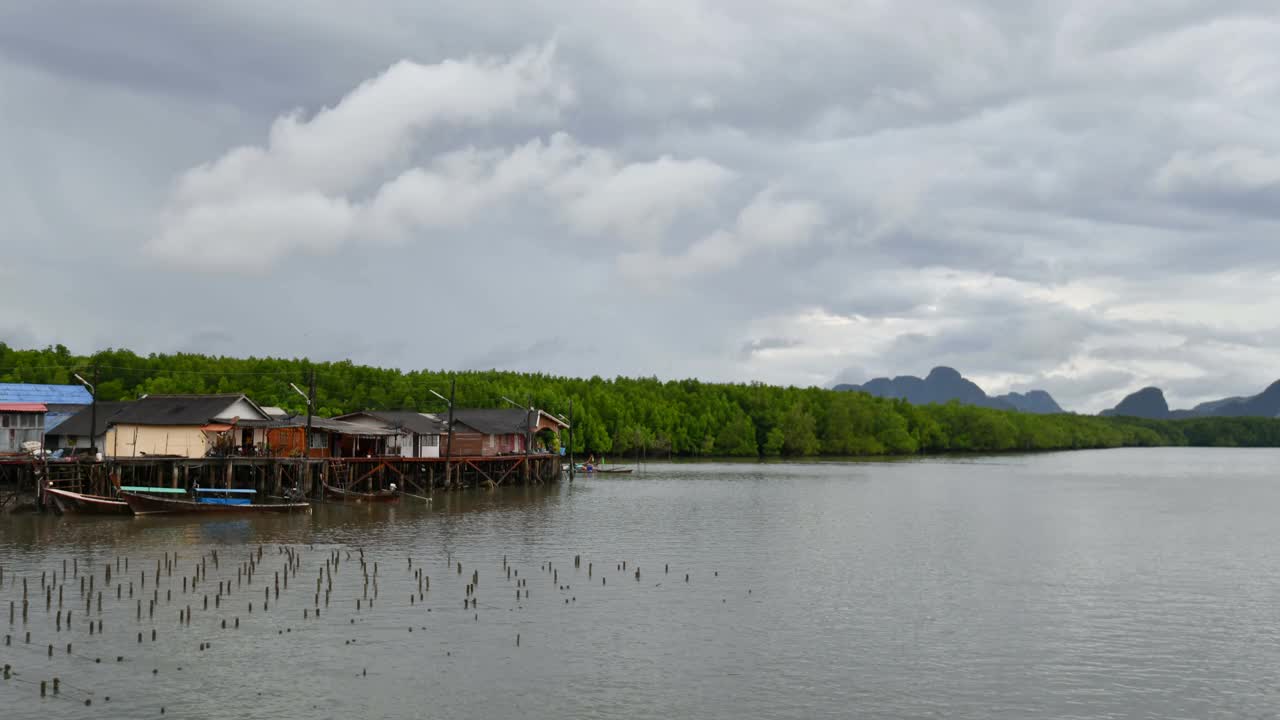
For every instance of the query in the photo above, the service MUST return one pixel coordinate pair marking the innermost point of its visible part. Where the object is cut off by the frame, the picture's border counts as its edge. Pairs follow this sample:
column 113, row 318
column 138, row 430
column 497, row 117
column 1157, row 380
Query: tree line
column 686, row 418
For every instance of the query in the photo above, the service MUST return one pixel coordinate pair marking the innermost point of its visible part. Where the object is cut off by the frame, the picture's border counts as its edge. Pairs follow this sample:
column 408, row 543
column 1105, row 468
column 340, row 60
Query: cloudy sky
column 1078, row 196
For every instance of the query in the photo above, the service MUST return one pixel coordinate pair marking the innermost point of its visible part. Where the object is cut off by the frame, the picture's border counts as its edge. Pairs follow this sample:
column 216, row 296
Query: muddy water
column 1132, row 583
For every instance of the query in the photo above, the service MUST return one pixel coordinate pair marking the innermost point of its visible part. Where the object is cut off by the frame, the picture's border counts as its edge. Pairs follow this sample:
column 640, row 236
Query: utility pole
column 448, row 451
column 571, row 468
column 93, row 415
column 311, row 400
column 528, row 437
column 310, row 397
column 93, row 407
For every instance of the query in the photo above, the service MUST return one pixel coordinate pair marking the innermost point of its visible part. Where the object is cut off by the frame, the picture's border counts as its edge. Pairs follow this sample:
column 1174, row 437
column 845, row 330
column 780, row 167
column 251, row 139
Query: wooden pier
column 21, row 478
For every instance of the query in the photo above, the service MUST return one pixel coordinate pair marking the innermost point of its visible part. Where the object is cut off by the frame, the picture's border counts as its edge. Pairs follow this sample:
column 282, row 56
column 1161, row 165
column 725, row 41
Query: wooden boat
column 351, row 496
column 152, row 504
column 79, row 503
column 604, row 470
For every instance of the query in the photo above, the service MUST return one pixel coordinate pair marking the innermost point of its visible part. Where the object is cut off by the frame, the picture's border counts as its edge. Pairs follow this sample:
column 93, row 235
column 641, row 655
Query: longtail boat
column 597, row 470
column 150, row 503
column 351, row 496
column 79, row 503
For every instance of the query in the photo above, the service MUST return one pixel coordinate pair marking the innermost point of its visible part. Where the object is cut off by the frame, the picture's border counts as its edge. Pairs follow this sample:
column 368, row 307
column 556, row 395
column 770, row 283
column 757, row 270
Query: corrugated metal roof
column 56, row 394
column 177, row 409
column 410, row 420
column 493, row 421
column 78, row 424
column 30, row 407
column 319, row 424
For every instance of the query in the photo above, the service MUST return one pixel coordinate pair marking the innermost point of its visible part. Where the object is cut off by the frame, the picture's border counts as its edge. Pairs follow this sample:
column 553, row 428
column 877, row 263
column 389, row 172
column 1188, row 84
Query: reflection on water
column 1119, row 583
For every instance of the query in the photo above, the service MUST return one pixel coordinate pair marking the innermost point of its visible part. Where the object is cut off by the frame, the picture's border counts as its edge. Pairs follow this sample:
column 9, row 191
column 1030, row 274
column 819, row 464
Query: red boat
column 74, row 502
column 142, row 504
column 351, row 496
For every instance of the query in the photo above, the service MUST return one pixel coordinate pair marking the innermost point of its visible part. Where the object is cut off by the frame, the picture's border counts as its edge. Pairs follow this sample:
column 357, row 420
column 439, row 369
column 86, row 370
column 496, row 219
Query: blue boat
column 224, row 496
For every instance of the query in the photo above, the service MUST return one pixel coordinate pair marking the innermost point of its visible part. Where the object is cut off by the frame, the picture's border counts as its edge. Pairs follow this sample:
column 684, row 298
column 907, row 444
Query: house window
column 319, row 441
column 430, row 441
column 4, row 420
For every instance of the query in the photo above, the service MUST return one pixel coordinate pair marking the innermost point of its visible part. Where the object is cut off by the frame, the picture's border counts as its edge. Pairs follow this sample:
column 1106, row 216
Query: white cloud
column 341, row 175
column 293, row 193
column 253, row 232
column 374, row 125
column 766, row 223
column 637, row 201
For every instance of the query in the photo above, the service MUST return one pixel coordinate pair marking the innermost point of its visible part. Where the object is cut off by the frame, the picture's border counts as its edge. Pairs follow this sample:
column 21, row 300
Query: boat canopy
column 226, row 490
column 141, row 489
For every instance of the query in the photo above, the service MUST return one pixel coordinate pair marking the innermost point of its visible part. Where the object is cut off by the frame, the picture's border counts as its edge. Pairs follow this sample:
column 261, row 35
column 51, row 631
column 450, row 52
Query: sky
column 1081, row 197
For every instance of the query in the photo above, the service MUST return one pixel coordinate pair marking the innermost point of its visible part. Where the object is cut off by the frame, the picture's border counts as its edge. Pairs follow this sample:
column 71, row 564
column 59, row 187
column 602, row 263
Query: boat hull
column 339, row 495
column 144, row 505
column 81, row 504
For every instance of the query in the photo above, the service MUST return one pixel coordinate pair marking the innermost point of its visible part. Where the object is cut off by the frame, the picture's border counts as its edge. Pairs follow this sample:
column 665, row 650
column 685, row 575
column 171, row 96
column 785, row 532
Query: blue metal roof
column 51, row 394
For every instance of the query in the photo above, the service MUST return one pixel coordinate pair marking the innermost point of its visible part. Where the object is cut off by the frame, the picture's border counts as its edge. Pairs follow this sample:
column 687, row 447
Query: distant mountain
column 944, row 384
column 1264, row 404
column 1208, row 408
column 1150, row 403
column 1037, row 402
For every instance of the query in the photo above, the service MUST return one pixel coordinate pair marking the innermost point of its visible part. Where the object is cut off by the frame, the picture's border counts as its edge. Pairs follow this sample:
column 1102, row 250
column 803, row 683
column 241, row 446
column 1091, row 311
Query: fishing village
column 82, row 628
column 62, row 451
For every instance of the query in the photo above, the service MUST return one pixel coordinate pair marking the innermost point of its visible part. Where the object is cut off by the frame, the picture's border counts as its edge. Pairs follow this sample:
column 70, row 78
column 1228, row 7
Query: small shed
column 499, row 431
column 21, row 423
column 415, row 434
column 329, row 438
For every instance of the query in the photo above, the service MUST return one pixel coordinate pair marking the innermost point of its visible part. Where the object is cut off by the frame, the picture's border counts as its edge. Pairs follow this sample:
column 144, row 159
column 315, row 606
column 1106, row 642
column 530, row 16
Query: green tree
column 737, row 437
column 799, row 433
column 774, row 441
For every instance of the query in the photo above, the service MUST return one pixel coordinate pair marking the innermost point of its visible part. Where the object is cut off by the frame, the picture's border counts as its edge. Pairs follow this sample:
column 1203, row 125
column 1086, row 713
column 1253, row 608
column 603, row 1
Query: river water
column 1107, row 584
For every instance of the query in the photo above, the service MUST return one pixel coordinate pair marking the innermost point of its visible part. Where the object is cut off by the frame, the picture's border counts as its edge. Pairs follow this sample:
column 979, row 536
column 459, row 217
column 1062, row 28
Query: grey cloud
column 758, row 345
column 214, row 340
column 511, row 356
column 17, row 336
column 1019, row 340
column 1053, row 144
